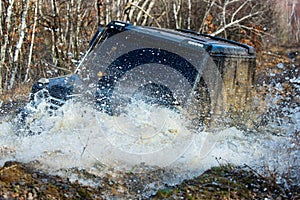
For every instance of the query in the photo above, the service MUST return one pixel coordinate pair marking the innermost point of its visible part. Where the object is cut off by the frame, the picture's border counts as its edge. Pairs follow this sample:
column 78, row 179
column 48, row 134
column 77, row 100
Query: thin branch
column 235, row 22
column 240, row 7
column 144, row 11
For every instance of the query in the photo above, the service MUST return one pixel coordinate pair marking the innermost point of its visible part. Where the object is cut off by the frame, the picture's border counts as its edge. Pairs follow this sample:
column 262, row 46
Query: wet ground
column 21, row 181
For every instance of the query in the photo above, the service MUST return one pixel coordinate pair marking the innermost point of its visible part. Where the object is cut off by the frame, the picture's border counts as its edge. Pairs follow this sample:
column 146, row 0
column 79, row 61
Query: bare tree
column 26, row 78
column 19, row 44
column 49, row 36
column 236, row 13
column 208, row 7
column 294, row 21
column 189, row 13
column 7, row 27
column 176, row 13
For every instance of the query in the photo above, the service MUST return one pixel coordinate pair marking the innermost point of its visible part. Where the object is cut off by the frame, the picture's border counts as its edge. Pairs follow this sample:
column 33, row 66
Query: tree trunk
column 78, row 25
column 7, row 22
column 189, row 13
column 1, row 64
column 32, row 41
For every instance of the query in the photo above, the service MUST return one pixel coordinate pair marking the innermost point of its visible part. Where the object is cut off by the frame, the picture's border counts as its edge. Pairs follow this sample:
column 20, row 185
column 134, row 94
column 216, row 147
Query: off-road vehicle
column 203, row 75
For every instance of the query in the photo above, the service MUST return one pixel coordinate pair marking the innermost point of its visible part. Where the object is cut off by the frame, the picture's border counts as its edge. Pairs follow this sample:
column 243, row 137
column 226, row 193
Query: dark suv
column 202, row 74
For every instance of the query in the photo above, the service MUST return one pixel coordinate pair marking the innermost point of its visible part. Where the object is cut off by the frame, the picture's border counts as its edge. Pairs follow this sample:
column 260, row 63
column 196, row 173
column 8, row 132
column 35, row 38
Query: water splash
column 83, row 138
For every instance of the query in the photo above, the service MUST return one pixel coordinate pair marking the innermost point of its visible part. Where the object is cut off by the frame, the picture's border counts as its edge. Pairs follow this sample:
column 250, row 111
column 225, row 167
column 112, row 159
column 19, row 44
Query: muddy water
column 80, row 137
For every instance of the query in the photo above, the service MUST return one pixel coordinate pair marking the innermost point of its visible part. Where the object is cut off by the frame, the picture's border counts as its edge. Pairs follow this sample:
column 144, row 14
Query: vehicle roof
column 216, row 46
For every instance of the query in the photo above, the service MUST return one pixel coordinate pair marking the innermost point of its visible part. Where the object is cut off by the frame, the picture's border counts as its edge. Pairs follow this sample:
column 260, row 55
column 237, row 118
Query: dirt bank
column 20, row 181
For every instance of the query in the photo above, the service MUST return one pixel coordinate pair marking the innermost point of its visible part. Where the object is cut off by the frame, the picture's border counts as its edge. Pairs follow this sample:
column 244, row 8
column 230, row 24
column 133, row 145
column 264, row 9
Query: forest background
column 45, row 38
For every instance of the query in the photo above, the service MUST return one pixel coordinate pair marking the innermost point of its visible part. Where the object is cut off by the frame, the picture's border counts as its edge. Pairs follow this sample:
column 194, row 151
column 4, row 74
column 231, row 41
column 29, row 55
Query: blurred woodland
column 45, row 38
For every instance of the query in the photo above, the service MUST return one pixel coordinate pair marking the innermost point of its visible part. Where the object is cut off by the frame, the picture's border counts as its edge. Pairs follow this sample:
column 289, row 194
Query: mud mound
column 20, row 181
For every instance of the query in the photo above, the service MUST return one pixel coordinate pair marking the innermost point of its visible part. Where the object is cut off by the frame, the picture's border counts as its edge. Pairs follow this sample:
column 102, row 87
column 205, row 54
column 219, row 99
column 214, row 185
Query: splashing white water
column 81, row 137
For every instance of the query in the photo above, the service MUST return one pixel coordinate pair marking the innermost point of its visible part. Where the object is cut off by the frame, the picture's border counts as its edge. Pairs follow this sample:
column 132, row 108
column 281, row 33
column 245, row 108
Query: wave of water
column 81, row 137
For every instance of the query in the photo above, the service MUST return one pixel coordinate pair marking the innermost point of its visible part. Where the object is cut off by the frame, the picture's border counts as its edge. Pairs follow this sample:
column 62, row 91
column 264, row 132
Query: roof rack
column 250, row 48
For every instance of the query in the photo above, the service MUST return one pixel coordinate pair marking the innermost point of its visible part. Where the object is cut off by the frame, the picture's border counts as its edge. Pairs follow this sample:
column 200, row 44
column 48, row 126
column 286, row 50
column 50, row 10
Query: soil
column 21, row 181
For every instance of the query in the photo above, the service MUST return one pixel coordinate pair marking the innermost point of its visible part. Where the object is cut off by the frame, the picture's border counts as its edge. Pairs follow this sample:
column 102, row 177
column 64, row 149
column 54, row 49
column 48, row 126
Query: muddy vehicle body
column 206, row 75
